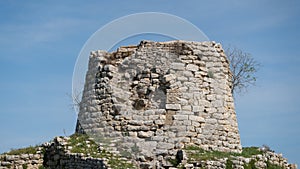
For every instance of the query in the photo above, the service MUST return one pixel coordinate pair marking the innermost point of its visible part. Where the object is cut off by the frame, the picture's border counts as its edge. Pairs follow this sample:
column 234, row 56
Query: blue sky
column 40, row 41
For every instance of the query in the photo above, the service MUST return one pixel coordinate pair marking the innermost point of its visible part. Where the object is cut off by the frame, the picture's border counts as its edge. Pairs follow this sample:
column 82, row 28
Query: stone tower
column 152, row 100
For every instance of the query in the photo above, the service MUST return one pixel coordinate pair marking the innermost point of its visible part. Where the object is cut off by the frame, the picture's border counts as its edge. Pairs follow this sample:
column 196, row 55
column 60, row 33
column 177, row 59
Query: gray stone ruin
column 148, row 102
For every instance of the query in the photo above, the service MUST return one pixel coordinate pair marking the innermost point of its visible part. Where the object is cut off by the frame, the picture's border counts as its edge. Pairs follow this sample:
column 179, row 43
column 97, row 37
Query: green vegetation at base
column 81, row 143
column 229, row 164
column 198, row 154
column 250, row 151
column 27, row 150
column 24, row 166
column 174, row 162
column 250, row 165
column 42, row 167
column 273, row 166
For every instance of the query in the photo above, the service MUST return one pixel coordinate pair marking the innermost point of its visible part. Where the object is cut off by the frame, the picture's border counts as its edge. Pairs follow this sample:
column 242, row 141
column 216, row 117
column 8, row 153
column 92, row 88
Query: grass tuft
column 27, row 150
column 82, row 144
column 198, row 154
column 250, row 151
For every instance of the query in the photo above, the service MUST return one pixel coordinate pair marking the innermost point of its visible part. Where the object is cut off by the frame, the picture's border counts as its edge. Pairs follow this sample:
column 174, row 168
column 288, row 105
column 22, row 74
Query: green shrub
column 42, row 167
column 82, row 144
column 251, row 165
column 229, row 164
column 250, row 151
column 24, row 166
column 196, row 153
column 174, row 162
column 273, row 166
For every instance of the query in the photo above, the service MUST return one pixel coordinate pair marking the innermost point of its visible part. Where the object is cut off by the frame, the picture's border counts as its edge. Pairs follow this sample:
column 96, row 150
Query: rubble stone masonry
column 154, row 99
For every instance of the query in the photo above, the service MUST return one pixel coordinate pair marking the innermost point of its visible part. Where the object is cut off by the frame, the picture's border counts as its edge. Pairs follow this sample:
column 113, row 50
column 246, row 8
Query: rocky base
column 265, row 160
column 23, row 161
column 81, row 152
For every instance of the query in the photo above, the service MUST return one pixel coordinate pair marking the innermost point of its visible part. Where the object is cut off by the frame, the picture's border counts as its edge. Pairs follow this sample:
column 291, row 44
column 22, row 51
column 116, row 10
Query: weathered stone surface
column 173, row 106
column 169, row 77
column 151, row 101
column 59, row 147
column 192, row 67
column 160, row 91
column 177, row 66
column 143, row 134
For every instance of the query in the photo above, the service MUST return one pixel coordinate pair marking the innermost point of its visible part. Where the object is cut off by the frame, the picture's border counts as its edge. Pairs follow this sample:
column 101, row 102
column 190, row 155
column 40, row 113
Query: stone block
column 186, row 108
column 133, row 128
column 147, row 134
column 173, row 106
column 177, row 66
column 192, row 67
column 182, row 78
column 169, row 77
column 136, row 122
column 149, row 112
column 161, row 152
column 190, row 128
column 177, row 123
column 183, row 102
column 187, row 122
column 204, row 103
column 147, row 146
column 218, row 116
column 211, row 97
column 158, row 138
column 180, row 117
column 154, row 75
column 110, row 68
column 211, row 121
column 195, row 123
column 182, row 112
column 160, row 111
column 165, row 146
column 162, row 117
column 217, row 103
column 198, row 108
column 159, row 122
column 196, row 118
column 181, row 134
column 139, row 117
column 187, row 73
column 153, row 117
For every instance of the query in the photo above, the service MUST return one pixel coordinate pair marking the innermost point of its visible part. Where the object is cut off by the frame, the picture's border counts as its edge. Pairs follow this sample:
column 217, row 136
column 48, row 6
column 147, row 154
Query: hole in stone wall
column 139, row 104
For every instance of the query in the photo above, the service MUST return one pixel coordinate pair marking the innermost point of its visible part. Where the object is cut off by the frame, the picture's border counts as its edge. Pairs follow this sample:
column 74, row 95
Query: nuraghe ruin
column 152, row 100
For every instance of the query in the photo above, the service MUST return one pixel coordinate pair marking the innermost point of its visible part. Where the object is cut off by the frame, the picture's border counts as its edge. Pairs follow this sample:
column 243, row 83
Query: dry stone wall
column 260, row 161
column 158, row 97
column 58, row 155
column 22, row 161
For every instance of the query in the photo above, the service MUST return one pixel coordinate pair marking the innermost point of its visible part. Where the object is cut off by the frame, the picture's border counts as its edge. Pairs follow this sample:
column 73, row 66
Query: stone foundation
column 58, row 154
column 22, row 161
